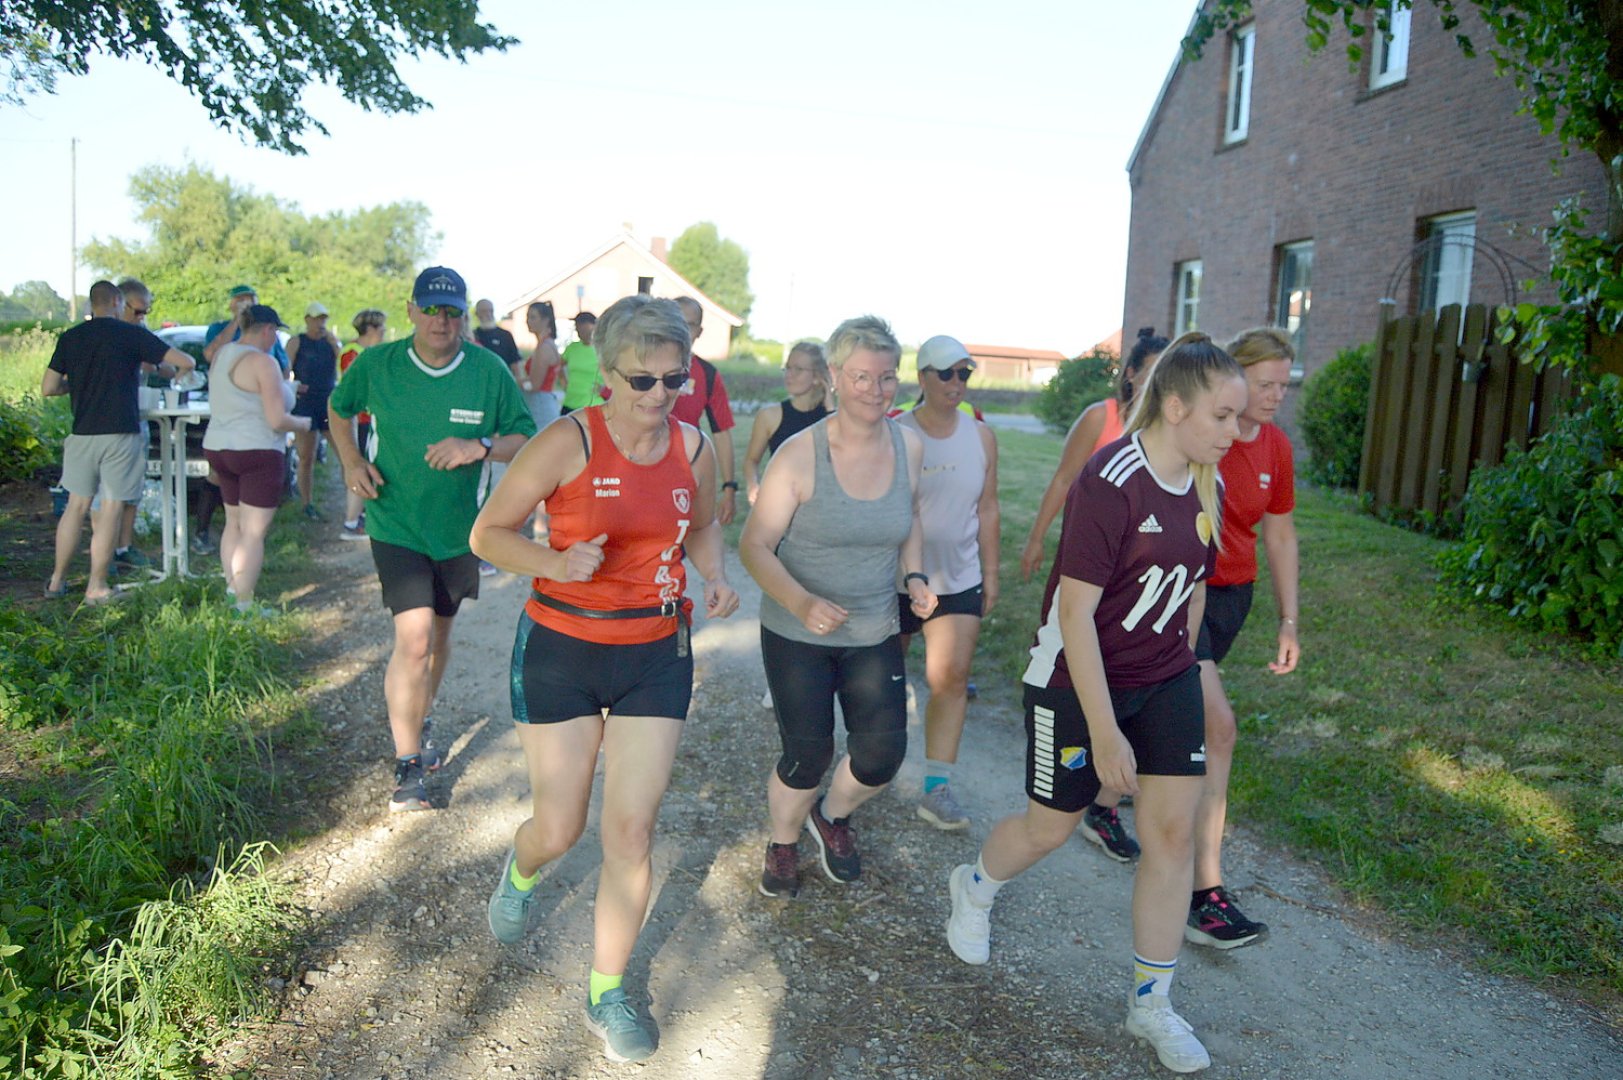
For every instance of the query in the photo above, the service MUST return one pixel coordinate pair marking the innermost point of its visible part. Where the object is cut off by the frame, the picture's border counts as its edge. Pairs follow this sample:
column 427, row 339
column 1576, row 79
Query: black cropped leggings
column 872, row 688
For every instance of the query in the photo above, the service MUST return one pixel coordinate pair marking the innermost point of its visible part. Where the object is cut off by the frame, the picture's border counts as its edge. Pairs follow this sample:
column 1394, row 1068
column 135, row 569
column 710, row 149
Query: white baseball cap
column 316, row 308
column 942, row 352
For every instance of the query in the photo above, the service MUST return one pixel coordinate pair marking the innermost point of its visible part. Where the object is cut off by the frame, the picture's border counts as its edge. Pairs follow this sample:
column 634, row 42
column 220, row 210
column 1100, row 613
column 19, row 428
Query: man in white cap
column 313, row 359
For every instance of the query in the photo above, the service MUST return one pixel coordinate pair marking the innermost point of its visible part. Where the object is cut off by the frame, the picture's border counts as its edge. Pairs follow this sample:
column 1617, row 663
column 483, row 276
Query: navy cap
column 262, row 315
column 440, row 285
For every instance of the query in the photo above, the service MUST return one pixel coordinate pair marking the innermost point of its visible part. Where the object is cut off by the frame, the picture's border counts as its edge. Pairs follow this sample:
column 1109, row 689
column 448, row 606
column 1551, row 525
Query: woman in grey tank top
column 833, row 527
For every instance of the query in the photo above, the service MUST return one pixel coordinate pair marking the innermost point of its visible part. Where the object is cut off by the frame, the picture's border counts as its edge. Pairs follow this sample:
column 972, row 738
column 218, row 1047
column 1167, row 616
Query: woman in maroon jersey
column 1258, row 488
column 1113, row 693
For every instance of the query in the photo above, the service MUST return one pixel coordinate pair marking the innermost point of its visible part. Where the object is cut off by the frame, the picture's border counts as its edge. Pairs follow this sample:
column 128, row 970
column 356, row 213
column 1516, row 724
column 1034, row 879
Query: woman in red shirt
column 630, row 490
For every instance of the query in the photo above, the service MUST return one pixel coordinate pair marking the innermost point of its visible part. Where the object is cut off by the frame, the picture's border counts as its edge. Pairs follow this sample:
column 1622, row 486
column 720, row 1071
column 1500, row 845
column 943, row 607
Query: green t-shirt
column 414, row 406
column 580, row 362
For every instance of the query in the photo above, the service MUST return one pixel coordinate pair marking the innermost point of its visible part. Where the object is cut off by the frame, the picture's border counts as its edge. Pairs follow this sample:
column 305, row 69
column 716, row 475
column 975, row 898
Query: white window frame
column 1445, row 273
column 1186, row 297
column 1292, row 255
column 1389, row 60
column 1242, row 64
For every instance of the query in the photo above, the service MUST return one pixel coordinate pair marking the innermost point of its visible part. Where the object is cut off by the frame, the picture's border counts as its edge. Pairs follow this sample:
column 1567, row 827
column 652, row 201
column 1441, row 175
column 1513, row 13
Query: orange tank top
column 646, row 511
column 1112, row 430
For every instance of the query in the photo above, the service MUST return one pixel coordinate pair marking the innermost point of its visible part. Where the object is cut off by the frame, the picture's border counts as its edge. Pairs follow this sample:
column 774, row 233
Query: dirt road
column 402, row 978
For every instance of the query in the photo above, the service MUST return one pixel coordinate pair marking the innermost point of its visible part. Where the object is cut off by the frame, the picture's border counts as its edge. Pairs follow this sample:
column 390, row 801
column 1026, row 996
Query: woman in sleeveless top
column 834, row 526
column 541, row 369
column 313, row 361
column 1100, row 423
column 958, row 509
column 630, row 490
column 806, row 379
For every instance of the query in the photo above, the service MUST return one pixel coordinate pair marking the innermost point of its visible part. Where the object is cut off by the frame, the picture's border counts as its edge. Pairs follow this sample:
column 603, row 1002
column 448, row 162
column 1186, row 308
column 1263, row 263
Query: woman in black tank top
column 806, row 379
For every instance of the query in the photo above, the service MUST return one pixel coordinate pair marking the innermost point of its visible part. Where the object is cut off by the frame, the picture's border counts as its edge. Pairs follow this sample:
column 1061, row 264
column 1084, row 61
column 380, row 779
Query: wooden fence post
column 1379, row 370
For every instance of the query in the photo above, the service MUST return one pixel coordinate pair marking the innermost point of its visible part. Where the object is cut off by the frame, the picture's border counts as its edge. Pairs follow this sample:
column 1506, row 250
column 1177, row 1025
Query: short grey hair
column 863, row 332
column 640, row 324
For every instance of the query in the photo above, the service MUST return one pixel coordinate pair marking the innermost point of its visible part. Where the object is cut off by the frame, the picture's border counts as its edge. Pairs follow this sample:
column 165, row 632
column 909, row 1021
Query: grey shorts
column 116, row 464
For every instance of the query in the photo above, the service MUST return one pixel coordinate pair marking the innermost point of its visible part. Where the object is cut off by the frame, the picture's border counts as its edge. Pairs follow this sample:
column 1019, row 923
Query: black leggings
column 872, row 687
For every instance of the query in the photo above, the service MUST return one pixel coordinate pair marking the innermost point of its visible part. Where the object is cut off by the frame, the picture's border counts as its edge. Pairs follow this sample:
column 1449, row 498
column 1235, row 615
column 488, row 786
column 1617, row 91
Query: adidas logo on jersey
column 1150, row 525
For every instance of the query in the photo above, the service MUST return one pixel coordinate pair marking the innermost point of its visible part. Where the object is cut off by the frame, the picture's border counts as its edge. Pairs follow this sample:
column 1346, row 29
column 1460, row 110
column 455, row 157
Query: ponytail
column 1149, row 344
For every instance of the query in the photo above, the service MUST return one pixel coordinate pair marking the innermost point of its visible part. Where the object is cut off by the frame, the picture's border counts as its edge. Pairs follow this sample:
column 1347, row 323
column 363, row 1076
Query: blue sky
column 955, row 167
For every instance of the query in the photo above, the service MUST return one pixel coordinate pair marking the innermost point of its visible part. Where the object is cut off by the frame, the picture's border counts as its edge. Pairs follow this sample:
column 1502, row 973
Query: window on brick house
column 1186, row 298
column 1237, row 115
column 1445, row 268
column 1389, row 60
column 1293, row 298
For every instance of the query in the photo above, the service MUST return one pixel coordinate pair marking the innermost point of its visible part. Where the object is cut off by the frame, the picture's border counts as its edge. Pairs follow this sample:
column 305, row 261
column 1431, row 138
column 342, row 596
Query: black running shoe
column 837, row 843
column 1103, row 826
column 781, row 878
column 1215, row 920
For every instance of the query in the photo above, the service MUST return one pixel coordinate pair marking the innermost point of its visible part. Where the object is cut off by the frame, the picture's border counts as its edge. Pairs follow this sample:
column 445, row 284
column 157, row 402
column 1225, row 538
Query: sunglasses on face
column 450, row 311
column 139, row 312
column 674, row 380
column 947, row 374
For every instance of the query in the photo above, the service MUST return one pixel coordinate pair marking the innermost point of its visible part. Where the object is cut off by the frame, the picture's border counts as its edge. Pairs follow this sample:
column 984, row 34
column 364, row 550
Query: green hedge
column 1543, row 531
column 1335, row 401
column 1080, row 382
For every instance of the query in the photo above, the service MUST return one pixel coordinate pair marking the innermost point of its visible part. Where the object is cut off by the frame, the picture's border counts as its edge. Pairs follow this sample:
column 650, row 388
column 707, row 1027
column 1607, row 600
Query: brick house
column 1275, row 186
column 620, row 267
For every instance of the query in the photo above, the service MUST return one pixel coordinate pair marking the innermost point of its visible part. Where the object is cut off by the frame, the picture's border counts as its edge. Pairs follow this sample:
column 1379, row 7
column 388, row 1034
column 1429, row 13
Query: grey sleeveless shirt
column 846, row 551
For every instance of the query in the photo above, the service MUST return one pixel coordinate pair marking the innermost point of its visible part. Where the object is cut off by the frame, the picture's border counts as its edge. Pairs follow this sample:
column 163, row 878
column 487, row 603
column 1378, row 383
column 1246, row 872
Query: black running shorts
column 1226, row 609
column 556, row 677
column 967, row 602
column 412, row 580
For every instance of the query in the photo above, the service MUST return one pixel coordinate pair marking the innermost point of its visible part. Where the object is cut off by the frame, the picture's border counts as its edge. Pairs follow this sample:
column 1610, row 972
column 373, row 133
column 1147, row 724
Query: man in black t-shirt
column 497, row 339
column 99, row 365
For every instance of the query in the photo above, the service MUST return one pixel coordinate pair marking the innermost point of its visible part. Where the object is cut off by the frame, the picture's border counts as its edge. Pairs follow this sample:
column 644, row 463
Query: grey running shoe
column 132, row 559
column 941, row 809
column 1103, row 826
column 837, row 844
column 626, row 1037
column 352, row 532
column 969, row 927
column 201, row 544
column 781, row 877
column 433, row 755
column 509, row 907
column 1151, row 1019
column 410, row 793
column 312, row 513
column 1216, row 920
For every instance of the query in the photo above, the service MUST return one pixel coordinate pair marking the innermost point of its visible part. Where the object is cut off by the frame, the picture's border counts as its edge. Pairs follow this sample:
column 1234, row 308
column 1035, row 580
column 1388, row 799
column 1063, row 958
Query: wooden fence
column 1446, row 397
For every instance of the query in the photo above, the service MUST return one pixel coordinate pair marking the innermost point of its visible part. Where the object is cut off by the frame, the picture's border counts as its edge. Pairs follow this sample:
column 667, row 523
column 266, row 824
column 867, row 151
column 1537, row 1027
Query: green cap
column 243, row 290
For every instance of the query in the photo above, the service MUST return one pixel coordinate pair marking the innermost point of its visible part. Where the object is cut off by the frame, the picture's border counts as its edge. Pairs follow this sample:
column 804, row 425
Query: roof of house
column 1161, row 95
column 1010, row 352
column 658, row 265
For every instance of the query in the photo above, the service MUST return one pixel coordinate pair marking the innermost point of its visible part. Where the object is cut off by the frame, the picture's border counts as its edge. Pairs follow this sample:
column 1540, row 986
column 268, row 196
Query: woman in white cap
column 958, row 510
column 313, row 359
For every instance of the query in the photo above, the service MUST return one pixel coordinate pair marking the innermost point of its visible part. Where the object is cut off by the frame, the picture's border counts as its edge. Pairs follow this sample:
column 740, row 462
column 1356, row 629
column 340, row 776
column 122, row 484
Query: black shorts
column 871, row 684
column 1226, row 609
column 1165, row 724
column 556, row 677
column 967, row 602
column 315, row 407
column 412, row 580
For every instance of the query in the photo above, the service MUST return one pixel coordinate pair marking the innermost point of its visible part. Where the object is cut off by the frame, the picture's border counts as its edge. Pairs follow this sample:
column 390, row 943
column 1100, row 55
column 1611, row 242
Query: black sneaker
column 837, row 842
column 781, row 878
column 1102, row 825
column 1215, row 920
column 410, row 792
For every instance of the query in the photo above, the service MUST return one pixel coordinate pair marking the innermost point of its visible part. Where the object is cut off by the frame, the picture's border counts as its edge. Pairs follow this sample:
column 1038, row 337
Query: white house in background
column 620, row 267
column 1008, row 363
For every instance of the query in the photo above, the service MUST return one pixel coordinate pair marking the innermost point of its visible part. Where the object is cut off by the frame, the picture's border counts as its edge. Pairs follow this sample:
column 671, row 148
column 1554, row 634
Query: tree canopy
column 717, row 266
column 33, row 300
column 208, row 234
column 248, row 62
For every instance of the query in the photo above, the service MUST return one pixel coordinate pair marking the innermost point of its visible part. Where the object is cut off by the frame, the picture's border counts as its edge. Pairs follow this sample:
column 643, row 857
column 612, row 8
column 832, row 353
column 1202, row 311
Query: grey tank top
column 846, row 551
column 237, row 416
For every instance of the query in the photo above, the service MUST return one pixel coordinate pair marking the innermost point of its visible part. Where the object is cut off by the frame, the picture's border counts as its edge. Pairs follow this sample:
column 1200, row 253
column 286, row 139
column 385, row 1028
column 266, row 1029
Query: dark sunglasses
column 946, row 374
column 450, row 311
column 140, row 312
column 644, row 383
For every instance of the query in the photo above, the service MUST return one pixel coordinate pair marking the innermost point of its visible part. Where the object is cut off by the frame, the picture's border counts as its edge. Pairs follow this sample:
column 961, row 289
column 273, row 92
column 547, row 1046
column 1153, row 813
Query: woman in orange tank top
column 602, row 657
column 1100, row 423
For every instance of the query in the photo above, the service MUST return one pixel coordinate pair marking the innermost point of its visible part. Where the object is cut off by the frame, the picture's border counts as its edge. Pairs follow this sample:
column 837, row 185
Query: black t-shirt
column 102, row 360
column 498, row 341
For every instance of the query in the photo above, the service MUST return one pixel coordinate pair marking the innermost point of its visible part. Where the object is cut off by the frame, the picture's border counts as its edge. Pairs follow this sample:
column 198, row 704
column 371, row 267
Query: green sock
column 520, row 882
column 602, row 984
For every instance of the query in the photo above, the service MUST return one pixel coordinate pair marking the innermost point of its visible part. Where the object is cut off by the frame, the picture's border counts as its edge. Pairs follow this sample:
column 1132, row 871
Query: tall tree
column 1566, row 57
column 208, row 234
column 34, row 300
column 717, row 266
column 248, row 62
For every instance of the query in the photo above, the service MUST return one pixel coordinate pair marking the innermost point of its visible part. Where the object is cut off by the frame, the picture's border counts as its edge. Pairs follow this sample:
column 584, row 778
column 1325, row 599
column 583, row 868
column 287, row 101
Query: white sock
column 983, row 887
column 1152, row 977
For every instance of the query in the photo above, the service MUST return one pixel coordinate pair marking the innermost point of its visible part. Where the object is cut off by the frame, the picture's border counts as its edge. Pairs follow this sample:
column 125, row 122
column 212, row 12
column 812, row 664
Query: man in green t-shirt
column 581, row 377
column 443, row 410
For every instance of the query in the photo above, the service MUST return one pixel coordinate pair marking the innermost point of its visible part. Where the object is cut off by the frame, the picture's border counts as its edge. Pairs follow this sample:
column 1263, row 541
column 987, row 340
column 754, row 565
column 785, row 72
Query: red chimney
column 657, row 246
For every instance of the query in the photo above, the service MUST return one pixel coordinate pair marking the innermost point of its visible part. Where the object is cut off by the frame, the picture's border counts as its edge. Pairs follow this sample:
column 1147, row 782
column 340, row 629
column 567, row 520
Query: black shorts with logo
column 968, row 602
column 1165, row 724
column 1226, row 609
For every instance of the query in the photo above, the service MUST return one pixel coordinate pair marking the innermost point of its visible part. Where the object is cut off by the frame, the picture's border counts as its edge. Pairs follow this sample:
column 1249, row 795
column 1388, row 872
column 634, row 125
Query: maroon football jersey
column 1146, row 545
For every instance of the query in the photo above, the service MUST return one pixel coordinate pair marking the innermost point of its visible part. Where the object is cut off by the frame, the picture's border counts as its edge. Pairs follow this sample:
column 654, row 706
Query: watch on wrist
column 925, row 578
column 487, row 442
column 729, row 485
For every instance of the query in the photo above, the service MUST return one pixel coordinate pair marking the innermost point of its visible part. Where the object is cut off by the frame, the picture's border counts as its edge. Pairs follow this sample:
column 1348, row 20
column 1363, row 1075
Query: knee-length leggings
column 872, row 687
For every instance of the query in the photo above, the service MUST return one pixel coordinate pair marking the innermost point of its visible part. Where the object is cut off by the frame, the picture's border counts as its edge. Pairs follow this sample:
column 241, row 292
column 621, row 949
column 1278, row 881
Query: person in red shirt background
column 706, row 395
column 369, row 326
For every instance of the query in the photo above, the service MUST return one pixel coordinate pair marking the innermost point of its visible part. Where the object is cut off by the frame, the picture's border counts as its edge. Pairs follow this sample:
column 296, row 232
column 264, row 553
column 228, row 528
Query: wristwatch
column 925, row 578
column 729, row 485
column 487, row 442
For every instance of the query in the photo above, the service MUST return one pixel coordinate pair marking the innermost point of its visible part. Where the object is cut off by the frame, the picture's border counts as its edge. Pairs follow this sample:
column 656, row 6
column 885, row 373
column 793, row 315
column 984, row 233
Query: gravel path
column 401, row 979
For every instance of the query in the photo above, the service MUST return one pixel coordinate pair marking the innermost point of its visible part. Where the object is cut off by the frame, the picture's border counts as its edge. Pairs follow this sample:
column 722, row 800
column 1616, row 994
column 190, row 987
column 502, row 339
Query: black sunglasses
column 643, row 383
column 946, row 374
column 450, row 311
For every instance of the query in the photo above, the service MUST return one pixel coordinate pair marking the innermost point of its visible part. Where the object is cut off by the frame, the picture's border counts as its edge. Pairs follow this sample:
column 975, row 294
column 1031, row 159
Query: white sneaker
column 969, row 927
column 766, row 699
column 1151, row 1019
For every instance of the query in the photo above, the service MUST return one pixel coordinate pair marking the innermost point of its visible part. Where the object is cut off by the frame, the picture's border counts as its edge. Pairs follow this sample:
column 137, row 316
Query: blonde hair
column 1261, row 343
column 1189, row 367
column 863, row 332
column 813, row 351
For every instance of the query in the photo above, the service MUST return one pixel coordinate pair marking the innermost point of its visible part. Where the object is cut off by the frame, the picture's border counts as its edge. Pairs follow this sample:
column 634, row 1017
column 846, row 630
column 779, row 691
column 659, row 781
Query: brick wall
column 1352, row 170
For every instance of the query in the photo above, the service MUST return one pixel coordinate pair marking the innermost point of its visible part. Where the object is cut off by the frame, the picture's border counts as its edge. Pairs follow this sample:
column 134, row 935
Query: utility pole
column 73, row 229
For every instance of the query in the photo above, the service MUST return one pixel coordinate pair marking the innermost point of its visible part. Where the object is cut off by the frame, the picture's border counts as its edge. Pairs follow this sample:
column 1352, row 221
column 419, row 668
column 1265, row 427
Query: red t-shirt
column 704, row 394
column 646, row 511
column 1147, row 546
column 1259, row 477
column 346, row 358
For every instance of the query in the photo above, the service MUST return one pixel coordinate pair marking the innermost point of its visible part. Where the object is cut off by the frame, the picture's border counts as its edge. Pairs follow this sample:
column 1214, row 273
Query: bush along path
column 400, row 978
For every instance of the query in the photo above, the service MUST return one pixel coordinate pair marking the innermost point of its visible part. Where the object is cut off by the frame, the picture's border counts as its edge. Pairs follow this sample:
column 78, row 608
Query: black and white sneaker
column 1102, row 825
column 1216, row 920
